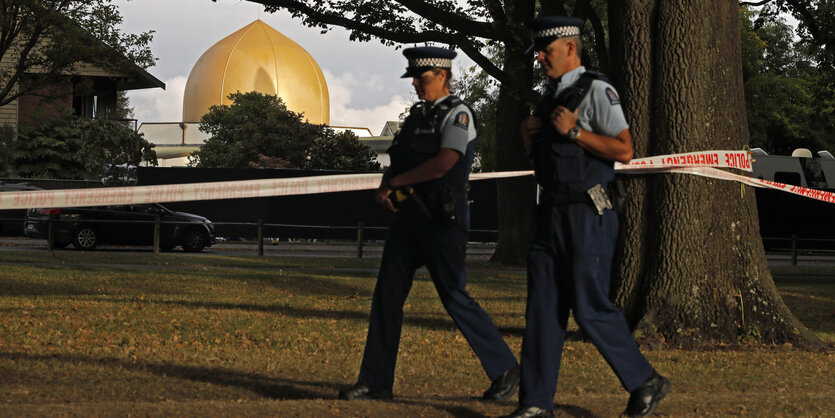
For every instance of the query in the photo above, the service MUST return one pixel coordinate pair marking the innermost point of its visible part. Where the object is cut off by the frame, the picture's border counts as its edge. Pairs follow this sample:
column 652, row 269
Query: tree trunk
column 516, row 195
column 691, row 269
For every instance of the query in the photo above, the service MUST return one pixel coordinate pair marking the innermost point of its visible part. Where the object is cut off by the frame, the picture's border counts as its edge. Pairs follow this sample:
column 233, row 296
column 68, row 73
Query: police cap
column 547, row 29
column 424, row 58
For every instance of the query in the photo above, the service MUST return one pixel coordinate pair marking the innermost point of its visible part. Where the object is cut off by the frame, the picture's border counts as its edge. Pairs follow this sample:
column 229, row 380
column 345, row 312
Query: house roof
column 129, row 75
column 139, row 79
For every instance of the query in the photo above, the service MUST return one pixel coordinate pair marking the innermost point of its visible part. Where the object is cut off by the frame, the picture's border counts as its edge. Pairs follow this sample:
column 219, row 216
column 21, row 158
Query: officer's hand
column 530, row 127
column 563, row 119
column 382, row 198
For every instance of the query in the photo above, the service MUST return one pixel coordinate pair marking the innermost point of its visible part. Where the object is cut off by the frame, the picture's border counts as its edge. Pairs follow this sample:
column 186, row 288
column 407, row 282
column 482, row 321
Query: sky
column 363, row 77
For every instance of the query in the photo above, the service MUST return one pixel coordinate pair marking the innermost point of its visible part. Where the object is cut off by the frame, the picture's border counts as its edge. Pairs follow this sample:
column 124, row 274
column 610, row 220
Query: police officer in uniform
column 575, row 135
column 426, row 186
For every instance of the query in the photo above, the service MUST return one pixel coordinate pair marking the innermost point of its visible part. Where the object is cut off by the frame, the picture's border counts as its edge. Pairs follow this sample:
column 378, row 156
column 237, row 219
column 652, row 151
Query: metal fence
column 261, row 230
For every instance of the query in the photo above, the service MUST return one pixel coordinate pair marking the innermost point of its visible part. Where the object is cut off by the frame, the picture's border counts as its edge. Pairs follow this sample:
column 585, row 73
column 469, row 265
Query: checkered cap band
column 559, row 31
column 431, row 62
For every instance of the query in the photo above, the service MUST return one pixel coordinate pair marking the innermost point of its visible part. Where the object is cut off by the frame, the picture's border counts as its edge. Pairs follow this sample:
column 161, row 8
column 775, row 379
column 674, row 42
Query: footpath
column 810, row 265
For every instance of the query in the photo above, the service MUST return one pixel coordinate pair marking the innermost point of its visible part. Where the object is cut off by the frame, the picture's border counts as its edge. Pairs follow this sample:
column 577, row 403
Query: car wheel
column 85, row 238
column 194, row 240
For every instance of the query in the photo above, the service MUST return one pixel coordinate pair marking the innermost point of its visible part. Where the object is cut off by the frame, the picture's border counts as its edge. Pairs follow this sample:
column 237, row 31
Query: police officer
column 426, row 186
column 576, row 133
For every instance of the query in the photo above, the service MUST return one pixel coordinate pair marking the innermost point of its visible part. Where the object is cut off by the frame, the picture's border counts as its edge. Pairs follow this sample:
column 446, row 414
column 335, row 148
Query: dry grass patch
column 203, row 335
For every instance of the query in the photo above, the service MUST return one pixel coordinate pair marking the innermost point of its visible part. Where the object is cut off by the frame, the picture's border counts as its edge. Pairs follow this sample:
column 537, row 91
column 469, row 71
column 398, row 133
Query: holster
column 438, row 204
column 404, row 195
column 449, row 208
column 617, row 193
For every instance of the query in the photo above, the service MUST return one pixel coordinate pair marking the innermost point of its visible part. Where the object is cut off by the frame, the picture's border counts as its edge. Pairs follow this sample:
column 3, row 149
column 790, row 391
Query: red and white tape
column 721, row 159
column 755, row 182
column 704, row 163
column 189, row 191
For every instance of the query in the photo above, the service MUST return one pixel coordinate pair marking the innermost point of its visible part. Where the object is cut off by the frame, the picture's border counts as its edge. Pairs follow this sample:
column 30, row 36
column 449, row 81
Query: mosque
column 254, row 58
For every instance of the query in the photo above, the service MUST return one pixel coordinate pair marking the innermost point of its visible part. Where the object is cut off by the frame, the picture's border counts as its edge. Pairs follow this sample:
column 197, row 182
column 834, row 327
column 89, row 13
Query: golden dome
column 257, row 58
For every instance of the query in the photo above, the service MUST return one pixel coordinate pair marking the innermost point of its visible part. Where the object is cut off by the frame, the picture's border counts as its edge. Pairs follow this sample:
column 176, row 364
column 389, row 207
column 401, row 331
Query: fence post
column 359, row 239
column 794, row 249
column 260, row 237
column 157, row 220
column 50, row 233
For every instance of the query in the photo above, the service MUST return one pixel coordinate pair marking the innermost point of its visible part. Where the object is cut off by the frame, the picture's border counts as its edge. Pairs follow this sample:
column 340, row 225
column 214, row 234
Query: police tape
column 705, row 163
column 242, row 189
column 722, row 159
column 710, row 172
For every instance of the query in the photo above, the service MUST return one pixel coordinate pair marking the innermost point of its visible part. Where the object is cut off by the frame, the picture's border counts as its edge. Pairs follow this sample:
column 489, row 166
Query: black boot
column 643, row 400
column 504, row 386
column 362, row 391
column 529, row 412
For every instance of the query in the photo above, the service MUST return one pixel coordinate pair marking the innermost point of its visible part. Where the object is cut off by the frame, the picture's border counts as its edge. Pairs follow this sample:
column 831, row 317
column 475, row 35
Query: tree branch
column 496, row 11
column 482, row 61
column 478, row 29
column 455, row 38
column 586, row 10
column 450, row 20
column 808, row 18
column 22, row 64
column 754, row 3
column 553, row 7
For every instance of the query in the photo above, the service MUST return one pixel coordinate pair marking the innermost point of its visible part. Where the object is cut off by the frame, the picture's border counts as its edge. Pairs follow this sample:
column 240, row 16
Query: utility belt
column 457, row 190
column 602, row 198
column 438, row 204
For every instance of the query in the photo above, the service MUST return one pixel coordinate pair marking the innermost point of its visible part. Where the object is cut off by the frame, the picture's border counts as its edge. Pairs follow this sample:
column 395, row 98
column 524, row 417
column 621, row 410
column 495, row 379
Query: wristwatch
column 574, row 133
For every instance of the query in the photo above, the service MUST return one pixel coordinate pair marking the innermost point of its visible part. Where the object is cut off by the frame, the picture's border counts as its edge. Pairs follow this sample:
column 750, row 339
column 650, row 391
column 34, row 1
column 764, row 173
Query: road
column 476, row 251
column 303, row 248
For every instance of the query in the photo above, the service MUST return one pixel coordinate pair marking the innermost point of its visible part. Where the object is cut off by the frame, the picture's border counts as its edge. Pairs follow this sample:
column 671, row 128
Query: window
column 813, row 172
column 787, row 177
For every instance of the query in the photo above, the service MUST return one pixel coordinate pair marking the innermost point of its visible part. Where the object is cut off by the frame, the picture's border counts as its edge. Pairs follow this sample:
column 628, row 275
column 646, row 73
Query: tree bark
column 516, row 196
column 691, row 269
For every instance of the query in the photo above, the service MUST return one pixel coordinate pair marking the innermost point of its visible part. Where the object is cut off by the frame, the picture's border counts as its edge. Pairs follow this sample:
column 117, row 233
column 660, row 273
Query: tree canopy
column 341, row 151
column 789, row 94
column 254, row 124
column 257, row 130
column 816, row 19
column 44, row 39
column 71, row 147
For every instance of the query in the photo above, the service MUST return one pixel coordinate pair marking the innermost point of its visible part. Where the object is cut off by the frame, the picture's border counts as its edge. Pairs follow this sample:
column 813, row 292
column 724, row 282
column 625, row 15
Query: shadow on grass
column 574, row 411
column 431, row 324
column 268, row 387
column 14, row 287
column 815, row 310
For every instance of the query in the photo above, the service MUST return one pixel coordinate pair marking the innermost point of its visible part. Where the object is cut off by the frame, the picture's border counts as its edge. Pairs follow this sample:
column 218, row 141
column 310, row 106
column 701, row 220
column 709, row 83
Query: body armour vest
column 558, row 161
column 420, row 139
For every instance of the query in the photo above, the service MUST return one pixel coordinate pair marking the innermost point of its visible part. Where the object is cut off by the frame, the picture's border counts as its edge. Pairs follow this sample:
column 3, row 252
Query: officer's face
column 430, row 86
column 554, row 58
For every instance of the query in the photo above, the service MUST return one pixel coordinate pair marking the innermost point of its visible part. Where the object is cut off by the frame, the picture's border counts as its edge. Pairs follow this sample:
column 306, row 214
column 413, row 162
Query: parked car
column 11, row 220
column 87, row 227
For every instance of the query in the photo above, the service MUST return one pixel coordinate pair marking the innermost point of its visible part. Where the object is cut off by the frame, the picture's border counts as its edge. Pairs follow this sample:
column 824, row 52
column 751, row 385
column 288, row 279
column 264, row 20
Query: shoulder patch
column 462, row 120
column 612, row 96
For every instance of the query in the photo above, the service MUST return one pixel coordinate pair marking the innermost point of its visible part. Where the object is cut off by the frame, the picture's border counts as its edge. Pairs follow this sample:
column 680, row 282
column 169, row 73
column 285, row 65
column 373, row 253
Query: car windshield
column 152, row 208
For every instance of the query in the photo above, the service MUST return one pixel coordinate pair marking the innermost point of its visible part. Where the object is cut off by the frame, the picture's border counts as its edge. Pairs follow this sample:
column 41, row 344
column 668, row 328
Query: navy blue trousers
column 569, row 268
column 442, row 250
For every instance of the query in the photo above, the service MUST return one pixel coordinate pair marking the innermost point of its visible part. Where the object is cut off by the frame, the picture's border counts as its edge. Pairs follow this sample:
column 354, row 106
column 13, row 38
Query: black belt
column 563, row 195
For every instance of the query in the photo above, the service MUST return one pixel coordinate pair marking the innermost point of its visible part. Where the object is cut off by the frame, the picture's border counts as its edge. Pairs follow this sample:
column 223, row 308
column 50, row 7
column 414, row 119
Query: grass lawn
column 86, row 334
